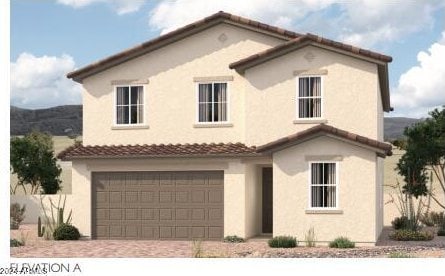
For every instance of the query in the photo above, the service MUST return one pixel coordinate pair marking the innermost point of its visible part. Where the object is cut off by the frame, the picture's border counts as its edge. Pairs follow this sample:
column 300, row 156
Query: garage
column 179, row 205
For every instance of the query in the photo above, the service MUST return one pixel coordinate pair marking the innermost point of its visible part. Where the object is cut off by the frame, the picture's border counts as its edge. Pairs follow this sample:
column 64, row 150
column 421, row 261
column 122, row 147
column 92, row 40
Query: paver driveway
column 105, row 248
column 37, row 247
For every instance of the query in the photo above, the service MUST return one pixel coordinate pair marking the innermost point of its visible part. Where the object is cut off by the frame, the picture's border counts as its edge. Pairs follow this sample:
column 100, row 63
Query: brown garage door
column 158, row 205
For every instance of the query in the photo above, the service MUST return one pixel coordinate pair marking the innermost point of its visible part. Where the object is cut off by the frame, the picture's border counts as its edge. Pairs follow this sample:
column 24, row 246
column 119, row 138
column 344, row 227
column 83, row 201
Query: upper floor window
column 323, row 184
column 309, row 97
column 129, row 105
column 212, row 102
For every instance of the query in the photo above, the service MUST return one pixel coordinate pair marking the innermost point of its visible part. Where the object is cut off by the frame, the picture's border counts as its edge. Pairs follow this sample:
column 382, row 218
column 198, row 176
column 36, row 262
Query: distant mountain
column 394, row 126
column 55, row 120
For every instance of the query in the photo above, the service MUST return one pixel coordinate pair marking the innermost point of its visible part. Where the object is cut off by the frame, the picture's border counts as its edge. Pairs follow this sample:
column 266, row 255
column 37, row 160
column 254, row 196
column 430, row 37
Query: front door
column 267, row 200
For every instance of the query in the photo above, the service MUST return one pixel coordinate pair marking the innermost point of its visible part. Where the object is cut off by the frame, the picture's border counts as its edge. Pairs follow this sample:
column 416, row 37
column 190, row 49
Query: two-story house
column 229, row 126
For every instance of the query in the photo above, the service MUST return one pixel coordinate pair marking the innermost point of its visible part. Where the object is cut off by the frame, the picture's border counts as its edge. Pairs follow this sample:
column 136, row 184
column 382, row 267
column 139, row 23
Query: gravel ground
column 253, row 248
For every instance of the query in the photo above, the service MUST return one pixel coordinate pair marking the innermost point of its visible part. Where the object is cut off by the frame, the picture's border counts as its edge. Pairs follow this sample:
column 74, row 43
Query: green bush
column 441, row 232
column 399, row 255
column 66, row 232
column 15, row 243
column 233, row 239
column 400, row 223
column 283, row 242
column 409, row 235
column 341, row 242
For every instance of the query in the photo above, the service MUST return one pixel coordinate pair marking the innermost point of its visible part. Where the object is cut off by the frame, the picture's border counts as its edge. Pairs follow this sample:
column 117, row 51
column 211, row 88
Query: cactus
column 39, row 228
column 59, row 216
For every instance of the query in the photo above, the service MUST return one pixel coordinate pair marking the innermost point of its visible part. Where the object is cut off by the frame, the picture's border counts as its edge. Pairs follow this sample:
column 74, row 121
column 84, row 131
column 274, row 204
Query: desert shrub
column 233, row 239
column 433, row 219
column 309, row 238
column 197, row 249
column 66, row 232
column 409, row 235
column 14, row 243
column 400, row 223
column 399, row 255
column 341, row 242
column 283, row 242
column 441, row 232
column 17, row 215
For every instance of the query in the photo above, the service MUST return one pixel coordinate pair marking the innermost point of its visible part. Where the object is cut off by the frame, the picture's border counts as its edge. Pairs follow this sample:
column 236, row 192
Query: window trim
column 221, row 123
column 337, row 185
column 297, row 97
column 115, row 125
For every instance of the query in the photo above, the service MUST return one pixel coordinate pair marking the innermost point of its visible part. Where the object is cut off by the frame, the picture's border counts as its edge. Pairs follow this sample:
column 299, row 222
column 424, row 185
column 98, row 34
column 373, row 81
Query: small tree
column 32, row 159
column 425, row 150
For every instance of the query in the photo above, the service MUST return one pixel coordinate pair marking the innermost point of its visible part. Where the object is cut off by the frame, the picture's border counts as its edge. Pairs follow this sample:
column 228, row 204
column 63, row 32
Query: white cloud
column 120, row 6
column 361, row 22
column 38, row 82
column 422, row 88
column 169, row 15
column 368, row 22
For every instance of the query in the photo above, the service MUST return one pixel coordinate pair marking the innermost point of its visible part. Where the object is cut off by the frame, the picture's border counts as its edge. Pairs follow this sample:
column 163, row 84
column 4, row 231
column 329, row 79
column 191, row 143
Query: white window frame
column 337, row 185
column 144, row 96
column 297, row 97
column 197, row 103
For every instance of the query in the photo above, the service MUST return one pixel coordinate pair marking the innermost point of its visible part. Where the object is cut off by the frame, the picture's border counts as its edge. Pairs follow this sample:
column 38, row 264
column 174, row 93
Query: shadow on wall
column 33, row 205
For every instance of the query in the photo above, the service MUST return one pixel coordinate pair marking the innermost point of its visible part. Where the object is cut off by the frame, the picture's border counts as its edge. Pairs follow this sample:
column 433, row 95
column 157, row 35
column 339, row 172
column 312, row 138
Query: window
column 323, row 184
column 129, row 105
column 212, row 102
column 309, row 98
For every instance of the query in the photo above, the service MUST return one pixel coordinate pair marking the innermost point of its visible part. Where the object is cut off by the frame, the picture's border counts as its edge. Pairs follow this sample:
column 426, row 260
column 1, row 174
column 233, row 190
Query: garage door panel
column 198, row 232
column 149, row 232
column 215, row 196
column 166, row 197
column 158, row 205
column 215, row 232
column 198, row 196
column 150, row 215
column 149, row 196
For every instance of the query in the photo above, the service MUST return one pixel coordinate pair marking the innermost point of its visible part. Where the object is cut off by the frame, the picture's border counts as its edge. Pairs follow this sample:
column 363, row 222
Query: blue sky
column 51, row 38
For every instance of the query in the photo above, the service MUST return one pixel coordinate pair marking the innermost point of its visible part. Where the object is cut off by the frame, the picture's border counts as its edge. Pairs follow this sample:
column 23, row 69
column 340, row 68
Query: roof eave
column 163, row 156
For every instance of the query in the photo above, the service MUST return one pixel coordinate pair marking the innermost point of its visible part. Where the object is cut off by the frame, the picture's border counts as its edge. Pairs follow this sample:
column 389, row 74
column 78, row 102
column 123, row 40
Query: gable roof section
column 157, row 151
column 382, row 149
column 311, row 39
column 219, row 150
column 178, row 34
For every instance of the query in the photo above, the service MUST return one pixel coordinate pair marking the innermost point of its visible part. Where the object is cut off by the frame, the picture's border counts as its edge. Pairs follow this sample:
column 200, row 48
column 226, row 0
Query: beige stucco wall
column 253, row 200
column 357, row 192
column 170, row 97
column 349, row 95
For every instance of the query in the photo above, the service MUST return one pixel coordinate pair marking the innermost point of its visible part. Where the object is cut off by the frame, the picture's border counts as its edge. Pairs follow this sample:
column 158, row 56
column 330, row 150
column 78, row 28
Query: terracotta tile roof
column 383, row 149
column 217, row 150
column 177, row 34
column 274, row 51
column 160, row 150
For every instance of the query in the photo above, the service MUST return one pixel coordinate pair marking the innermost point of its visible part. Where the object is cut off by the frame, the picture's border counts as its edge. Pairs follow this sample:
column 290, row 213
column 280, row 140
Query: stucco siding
column 253, row 200
column 170, row 92
column 349, row 95
column 356, row 187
